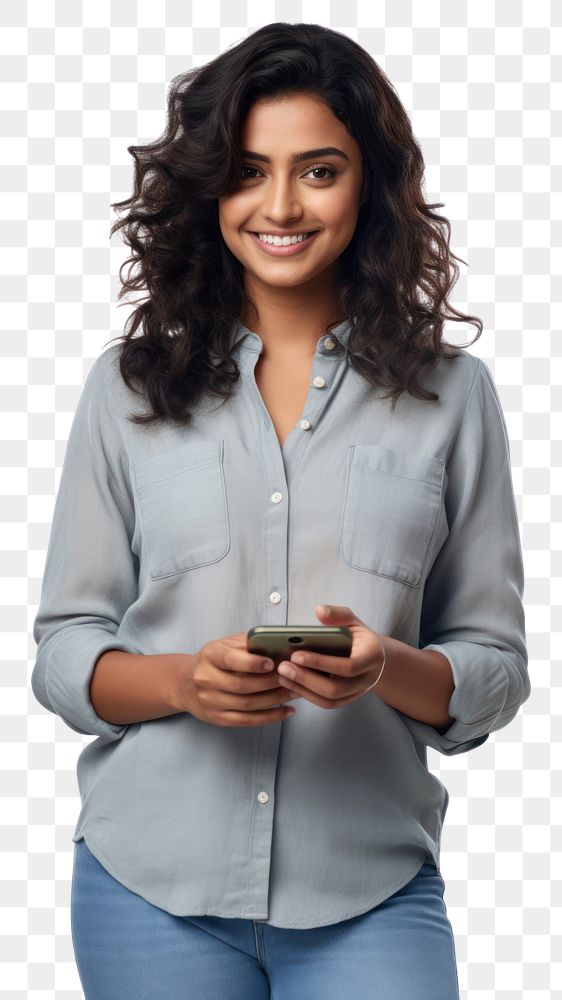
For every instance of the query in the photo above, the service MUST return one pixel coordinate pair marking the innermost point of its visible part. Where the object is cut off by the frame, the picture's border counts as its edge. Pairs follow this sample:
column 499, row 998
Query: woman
column 230, row 845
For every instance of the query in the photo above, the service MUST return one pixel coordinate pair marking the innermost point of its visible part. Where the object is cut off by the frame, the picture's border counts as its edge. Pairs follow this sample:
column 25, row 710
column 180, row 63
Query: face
column 320, row 194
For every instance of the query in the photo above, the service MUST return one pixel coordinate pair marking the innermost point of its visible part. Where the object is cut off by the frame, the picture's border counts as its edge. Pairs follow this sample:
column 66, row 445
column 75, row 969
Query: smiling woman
column 293, row 269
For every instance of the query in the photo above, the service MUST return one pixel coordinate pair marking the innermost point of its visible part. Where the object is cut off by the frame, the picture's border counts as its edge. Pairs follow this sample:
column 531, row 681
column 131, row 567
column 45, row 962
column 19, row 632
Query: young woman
column 244, row 832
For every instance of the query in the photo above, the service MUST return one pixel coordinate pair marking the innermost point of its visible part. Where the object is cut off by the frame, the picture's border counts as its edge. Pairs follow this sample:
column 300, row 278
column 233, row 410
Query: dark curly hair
column 396, row 272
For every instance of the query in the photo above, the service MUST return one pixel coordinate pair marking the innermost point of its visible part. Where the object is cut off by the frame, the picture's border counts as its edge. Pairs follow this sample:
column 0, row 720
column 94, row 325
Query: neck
column 291, row 321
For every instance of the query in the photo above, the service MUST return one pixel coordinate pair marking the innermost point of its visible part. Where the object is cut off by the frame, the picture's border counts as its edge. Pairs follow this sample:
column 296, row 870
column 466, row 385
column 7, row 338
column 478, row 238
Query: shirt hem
column 386, row 894
column 261, row 917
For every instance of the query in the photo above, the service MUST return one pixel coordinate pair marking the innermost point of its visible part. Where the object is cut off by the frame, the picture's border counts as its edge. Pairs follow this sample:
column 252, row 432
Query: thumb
column 334, row 613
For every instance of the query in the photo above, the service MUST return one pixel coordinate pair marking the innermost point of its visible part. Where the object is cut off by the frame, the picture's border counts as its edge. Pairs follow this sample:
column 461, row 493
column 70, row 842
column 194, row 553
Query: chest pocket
column 391, row 510
column 181, row 498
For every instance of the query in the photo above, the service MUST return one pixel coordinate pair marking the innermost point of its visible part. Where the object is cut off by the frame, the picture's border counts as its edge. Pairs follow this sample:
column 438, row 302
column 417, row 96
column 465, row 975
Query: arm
column 129, row 687
column 90, row 576
column 472, row 609
column 417, row 682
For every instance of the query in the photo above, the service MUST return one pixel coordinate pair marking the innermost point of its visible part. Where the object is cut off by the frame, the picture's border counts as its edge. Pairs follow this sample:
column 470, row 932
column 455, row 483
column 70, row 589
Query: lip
column 283, row 251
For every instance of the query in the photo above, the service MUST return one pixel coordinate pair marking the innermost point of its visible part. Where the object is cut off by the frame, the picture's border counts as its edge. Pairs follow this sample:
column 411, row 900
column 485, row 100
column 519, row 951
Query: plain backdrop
column 482, row 85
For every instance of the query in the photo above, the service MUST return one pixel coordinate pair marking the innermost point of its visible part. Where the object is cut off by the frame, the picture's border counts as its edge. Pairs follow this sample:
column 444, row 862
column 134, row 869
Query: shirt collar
column 339, row 333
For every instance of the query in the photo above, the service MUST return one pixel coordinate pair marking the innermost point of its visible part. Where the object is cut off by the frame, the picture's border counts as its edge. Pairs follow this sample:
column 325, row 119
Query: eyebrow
column 309, row 154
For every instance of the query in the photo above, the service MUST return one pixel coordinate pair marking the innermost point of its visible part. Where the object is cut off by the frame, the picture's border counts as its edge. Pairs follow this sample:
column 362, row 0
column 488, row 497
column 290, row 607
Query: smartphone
column 280, row 641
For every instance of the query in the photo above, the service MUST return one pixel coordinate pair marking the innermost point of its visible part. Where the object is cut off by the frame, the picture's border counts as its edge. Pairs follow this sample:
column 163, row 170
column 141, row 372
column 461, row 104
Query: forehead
column 292, row 117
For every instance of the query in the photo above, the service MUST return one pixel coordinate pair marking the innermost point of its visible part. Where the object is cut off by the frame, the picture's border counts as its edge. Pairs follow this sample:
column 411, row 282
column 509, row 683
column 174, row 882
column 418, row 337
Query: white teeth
column 282, row 241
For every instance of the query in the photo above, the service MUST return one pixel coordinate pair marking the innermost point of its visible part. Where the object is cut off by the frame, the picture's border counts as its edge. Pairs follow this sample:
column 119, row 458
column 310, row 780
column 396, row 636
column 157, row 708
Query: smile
column 280, row 249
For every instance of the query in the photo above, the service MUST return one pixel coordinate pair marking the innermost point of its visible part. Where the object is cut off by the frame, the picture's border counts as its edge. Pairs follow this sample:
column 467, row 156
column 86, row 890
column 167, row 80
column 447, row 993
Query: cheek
column 348, row 205
column 340, row 212
column 349, row 217
column 234, row 207
column 235, row 245
column 229, row 226
column 231, row 235
column 229, row 213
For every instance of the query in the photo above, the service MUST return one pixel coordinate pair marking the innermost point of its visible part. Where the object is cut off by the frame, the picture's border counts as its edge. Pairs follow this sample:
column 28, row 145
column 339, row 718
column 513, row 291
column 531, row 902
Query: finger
column 335, row 613
column 343, row 666
column 330, row 687
column 239, row 640
column 246, row 701
column 243, row 661
column 239, row 682
column 321, row 690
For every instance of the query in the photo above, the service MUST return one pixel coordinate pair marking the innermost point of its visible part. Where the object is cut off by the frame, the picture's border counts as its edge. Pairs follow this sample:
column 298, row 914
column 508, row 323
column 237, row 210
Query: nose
column 281, row 204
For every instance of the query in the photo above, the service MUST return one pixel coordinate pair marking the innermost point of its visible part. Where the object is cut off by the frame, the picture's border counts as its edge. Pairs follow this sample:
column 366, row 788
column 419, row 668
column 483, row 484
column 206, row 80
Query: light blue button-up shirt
column 164, row 538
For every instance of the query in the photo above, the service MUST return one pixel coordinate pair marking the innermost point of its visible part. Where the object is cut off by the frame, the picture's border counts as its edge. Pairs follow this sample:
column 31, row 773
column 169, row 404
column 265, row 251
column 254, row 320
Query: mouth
column 284, row 249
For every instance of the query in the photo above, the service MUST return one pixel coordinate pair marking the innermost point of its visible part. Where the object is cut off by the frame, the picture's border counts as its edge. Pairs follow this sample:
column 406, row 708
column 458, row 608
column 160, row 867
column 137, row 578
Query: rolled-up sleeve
column 472, row 610
column 90, row 576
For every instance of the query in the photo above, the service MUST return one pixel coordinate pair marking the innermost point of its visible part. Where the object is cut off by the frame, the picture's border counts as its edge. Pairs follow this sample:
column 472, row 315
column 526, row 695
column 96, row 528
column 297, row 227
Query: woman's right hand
column 226, row 685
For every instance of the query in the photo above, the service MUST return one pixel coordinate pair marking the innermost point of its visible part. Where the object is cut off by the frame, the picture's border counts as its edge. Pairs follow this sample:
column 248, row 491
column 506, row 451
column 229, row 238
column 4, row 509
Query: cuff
column 476, row 704
column 70, row 660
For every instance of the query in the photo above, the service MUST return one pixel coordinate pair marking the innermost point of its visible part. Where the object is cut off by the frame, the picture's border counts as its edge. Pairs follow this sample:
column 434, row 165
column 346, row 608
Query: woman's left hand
column 351, row 676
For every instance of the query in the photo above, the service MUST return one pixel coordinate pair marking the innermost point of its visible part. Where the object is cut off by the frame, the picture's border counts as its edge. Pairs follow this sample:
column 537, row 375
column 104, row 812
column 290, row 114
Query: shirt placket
column 279, row 466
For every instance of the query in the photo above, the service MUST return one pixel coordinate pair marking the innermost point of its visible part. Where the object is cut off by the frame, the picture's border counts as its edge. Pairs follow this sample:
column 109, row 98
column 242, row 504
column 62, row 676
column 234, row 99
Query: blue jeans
column 129, row 949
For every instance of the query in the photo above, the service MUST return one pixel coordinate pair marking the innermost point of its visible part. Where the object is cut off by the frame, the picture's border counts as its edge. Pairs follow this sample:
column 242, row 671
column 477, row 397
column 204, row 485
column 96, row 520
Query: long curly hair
column 395, row 274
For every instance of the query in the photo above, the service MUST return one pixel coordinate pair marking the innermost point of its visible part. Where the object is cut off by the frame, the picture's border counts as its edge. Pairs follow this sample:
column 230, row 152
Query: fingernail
column 286, row 670
column 267, row 664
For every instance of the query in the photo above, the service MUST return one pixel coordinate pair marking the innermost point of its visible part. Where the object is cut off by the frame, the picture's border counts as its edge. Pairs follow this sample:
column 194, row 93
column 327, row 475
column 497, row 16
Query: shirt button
column 319, row 381
column 275, row 597
column 277, row 497
column 305, row 425
column 329, row 343
column 263, row 797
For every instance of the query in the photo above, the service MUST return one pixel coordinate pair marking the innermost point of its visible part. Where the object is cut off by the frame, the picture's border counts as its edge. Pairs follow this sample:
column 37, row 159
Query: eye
column 248, row 178
column 319, row 166
column 323, row 166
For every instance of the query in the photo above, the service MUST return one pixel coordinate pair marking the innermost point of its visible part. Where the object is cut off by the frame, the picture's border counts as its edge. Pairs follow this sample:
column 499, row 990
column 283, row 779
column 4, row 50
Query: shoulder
column 470, row 381
column 480, row 419
column 468, row 397
column 457, row 376
column 105, row 382
column 103, row 370
column 106, row 367
column 453, row 380
column 465, row 383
